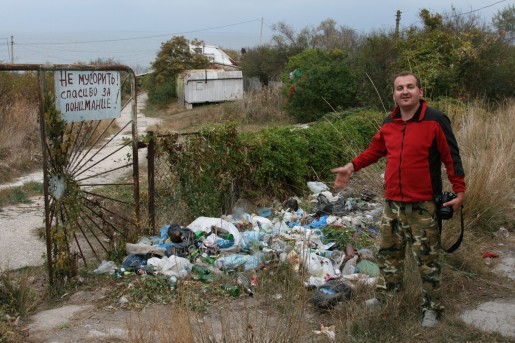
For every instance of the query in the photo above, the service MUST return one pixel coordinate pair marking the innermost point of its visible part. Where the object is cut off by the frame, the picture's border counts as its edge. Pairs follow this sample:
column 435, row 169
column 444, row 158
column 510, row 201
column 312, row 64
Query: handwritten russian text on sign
column 87, row 95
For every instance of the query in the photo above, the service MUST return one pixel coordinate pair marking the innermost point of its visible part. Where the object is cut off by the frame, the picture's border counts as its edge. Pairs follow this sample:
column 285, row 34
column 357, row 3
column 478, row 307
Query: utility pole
column 261, row 34
column 12, row 50
column 397, row 22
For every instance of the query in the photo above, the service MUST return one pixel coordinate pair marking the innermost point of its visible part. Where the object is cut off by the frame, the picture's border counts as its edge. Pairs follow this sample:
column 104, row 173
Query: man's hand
column 343, row 175
column 456, row 202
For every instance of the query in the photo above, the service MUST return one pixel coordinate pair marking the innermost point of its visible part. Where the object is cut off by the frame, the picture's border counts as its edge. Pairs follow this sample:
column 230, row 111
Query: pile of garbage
column 241, row 243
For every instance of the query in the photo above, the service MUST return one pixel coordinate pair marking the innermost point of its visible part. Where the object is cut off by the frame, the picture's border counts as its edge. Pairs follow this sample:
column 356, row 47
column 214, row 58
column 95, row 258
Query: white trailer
column 209, row 85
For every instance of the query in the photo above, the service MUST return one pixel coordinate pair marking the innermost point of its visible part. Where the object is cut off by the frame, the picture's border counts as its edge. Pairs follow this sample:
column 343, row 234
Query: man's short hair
column 407, row 73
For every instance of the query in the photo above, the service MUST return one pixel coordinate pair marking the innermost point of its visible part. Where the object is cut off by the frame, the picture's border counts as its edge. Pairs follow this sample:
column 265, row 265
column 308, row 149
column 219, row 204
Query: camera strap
column 457, row 244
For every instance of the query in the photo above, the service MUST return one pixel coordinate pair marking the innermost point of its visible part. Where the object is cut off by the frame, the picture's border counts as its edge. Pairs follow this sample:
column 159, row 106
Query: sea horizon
column 137, row 49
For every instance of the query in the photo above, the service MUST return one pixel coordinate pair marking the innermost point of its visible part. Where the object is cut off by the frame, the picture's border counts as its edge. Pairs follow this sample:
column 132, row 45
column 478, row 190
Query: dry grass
column 16, row 294
column 174, row 328
column 20, row 142
column 20, row 146
column 487, row 146
column 256, row 110
column 278, row 312
column 281, row 311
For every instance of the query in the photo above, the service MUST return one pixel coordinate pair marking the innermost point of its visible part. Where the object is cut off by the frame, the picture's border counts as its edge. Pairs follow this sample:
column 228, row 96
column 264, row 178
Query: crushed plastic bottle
column 105, row 267
column 244, row 282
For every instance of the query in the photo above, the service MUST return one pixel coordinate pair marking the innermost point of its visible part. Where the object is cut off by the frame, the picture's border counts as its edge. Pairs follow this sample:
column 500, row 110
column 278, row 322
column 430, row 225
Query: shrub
column 174, row 57
column 325, row 82
column 161, row 93
column 217, row 166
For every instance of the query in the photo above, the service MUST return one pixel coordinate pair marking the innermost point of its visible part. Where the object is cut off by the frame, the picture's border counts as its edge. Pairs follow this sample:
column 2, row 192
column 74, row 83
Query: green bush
column 265, row 62
column 160, row 94
column 208, row 165
column 218, row 166
column 174, row 57
column 325, row 82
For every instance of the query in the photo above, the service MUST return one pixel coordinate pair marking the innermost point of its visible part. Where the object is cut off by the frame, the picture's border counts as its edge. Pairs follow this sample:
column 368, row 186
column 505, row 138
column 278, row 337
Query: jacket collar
column 418, row 116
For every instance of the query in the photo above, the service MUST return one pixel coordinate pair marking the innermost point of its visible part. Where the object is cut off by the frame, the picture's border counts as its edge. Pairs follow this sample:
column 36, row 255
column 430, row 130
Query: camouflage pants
column 413, row 223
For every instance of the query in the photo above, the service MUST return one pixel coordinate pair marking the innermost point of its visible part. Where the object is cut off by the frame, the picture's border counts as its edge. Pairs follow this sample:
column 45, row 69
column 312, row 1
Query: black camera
column 444, row 212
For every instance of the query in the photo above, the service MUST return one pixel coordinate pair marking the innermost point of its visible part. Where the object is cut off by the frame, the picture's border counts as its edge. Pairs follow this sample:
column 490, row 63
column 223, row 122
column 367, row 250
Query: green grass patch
column 21, row 194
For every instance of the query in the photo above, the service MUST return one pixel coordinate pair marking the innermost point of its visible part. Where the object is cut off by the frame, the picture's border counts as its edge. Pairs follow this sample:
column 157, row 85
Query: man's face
column 406, row 92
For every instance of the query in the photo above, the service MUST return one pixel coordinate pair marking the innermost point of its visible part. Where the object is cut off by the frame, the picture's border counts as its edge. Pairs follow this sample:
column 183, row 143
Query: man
column 416, row 140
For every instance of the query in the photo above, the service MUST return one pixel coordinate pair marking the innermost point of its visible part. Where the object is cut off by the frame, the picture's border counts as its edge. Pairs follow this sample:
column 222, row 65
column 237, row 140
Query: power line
column 86, row 50
column 482, row 8
column 145, row 37
column 460, row 14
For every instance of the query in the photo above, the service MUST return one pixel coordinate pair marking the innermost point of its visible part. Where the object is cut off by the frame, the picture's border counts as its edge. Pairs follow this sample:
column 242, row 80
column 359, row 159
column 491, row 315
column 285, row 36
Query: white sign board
column 87, row 95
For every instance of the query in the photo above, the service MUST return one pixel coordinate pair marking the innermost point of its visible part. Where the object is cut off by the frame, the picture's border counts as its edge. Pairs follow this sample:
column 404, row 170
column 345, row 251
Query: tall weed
column 20, row 147
column 16, row 297
column 487, row 148
column 256, row 108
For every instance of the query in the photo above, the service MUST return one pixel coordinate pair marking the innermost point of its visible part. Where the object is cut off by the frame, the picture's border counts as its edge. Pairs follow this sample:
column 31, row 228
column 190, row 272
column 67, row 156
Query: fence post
column 151, row 154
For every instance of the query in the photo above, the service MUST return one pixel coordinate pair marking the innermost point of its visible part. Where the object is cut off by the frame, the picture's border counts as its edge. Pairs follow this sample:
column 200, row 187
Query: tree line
column 333, row 67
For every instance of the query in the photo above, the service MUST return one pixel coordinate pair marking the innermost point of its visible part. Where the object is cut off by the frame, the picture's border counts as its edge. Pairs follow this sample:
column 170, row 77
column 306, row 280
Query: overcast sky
column 231, row 24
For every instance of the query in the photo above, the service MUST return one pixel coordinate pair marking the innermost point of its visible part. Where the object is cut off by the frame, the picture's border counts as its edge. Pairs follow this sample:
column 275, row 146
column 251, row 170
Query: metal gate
column 90, row 172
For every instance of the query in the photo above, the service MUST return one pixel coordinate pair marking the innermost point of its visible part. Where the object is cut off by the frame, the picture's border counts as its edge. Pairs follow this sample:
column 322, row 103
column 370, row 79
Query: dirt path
column 19, row 244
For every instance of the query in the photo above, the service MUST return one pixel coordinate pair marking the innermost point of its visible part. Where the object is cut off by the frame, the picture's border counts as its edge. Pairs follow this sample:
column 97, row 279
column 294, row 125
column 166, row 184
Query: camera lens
column 446, row 212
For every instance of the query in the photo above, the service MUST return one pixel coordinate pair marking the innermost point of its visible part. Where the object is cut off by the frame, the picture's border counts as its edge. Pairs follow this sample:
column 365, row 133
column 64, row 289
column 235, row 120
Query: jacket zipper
column 400, row 159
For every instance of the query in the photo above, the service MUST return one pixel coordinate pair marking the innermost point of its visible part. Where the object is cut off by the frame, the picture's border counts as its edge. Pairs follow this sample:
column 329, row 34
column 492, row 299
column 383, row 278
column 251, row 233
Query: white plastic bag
column 261, row 222
column 174, row 265
column 205, row 224
column 317, row 186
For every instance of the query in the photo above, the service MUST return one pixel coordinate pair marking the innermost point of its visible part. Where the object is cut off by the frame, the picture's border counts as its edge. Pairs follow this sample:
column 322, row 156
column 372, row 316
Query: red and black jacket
column 415, row 151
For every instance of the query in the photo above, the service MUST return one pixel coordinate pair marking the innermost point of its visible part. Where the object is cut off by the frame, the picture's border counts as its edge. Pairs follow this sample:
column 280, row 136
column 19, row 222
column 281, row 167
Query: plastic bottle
column 233, row 291
column 173, row 282
column 119, row 273
column 327, row 291
column 201, row 273
column 207, row 259
column 245, row 284
column 200, row 270
column 200, row 234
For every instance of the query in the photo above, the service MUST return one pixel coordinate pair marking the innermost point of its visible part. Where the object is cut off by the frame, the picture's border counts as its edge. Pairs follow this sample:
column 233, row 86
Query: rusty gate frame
column 41, row 69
